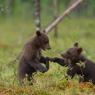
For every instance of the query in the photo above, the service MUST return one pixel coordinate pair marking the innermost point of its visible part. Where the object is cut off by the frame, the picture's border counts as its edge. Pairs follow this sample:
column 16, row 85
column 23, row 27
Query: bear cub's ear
column 80, row 50
column 38, row 33
column 76, row 44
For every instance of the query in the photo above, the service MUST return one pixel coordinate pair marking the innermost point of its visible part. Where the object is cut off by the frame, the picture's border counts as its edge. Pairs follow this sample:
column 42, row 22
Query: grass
column 14, row 33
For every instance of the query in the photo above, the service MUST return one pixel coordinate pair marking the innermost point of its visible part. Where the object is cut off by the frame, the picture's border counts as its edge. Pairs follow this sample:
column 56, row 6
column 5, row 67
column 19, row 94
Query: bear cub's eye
column 68, row 52
column 46, row 41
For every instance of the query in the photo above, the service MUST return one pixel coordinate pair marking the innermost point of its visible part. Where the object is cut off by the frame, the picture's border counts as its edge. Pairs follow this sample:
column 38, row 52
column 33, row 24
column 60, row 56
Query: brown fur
column 74, row 58
column 31, row 58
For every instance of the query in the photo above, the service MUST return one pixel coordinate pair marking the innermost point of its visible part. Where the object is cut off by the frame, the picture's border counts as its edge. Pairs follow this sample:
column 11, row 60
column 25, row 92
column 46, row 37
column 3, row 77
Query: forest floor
column 14, row 34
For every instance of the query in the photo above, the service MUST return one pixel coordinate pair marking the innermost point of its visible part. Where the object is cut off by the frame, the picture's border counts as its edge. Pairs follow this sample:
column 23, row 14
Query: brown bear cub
column 31, row 59
column 78, row 64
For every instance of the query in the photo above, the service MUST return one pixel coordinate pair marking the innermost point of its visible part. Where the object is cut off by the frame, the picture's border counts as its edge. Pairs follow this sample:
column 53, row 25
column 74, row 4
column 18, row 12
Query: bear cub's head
column 73, row 55
column 41, row 41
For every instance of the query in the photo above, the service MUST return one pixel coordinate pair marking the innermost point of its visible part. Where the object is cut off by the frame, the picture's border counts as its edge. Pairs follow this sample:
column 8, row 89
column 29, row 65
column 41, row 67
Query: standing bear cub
column 31, row 59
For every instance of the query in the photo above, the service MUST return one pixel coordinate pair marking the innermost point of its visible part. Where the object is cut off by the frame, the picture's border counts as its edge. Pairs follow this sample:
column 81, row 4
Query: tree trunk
column 61, row 17
column 37, row 14
column 9, row 6
column 56, row 12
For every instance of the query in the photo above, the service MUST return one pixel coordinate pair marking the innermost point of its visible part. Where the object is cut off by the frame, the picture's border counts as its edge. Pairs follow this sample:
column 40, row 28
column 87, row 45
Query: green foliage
column 14, row 34
column 25, row 8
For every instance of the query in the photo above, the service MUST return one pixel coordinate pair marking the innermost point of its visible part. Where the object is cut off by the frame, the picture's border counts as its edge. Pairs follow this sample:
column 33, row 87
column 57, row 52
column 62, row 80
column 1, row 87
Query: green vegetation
column 15, row 32
column 25, row 8
column 17, row 26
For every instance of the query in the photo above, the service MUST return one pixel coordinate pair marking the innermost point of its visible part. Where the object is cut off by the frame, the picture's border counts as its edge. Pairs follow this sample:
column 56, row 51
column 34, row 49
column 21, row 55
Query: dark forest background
column 25, row 8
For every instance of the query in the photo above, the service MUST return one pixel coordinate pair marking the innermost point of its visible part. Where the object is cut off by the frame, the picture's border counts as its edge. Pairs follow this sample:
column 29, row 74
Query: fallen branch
column 60, row 18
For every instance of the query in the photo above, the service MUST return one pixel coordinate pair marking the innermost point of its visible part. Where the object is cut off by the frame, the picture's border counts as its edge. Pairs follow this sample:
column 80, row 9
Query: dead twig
column 61, row 17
